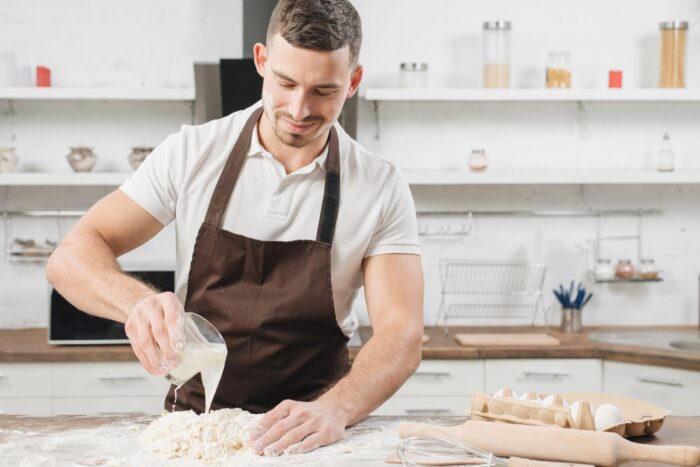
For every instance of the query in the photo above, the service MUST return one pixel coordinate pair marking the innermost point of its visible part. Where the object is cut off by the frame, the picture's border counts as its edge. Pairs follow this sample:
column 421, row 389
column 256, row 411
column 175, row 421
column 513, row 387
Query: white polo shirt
column 376, row 214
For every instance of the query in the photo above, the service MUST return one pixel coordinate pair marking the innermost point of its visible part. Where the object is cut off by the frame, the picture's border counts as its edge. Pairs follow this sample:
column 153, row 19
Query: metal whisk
column 439, row 449
column 433, row 448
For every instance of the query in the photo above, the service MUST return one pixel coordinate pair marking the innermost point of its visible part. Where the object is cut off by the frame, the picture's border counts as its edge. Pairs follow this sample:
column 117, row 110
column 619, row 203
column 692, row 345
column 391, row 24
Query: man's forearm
column 380, row 368
column 85, row 271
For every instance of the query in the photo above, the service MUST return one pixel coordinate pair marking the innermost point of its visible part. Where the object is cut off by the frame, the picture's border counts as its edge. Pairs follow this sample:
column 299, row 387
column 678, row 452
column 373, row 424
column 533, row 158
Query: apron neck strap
column 227, row 181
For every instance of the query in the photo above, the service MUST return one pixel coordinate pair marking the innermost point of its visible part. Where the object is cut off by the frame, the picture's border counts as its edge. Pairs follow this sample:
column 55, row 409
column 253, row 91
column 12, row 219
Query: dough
column 207, row 437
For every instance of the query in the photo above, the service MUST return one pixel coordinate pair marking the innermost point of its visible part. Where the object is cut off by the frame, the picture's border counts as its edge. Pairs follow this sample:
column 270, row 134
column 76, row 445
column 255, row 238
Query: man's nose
column 299, row 106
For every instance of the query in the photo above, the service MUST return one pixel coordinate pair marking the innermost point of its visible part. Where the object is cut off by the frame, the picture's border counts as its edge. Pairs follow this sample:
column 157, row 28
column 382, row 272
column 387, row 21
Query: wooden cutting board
column 505, row 339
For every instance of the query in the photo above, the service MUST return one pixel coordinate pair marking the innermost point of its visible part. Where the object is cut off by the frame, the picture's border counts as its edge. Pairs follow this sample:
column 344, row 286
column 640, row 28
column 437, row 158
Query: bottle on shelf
column 665, row 155
column 496, row 54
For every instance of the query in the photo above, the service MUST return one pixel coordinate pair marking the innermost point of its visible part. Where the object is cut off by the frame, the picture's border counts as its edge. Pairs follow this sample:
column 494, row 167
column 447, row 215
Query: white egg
column 505, row 392
column 606, row 416
column 575, row 409
column 550, row 400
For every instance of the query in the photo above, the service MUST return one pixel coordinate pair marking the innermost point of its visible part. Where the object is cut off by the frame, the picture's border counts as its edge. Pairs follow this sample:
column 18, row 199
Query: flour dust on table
column 208, row 437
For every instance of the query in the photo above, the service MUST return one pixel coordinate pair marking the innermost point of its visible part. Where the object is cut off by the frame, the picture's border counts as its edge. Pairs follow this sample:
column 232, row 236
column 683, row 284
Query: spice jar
column 665, row 155
column 81, row 158
column 558, row 69
column 604, row 270
column 8, row 160
column 413, row 75
column 624, row 269
column 478, row 160
column 647, row 269
column 673, row 40
column 496, row 54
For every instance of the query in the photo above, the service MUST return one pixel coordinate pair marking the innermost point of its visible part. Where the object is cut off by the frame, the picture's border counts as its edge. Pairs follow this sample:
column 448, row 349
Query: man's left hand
column 298, row 427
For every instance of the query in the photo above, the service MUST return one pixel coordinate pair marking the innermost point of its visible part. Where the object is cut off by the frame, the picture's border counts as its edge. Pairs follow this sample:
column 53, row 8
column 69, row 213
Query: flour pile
column 208, row 437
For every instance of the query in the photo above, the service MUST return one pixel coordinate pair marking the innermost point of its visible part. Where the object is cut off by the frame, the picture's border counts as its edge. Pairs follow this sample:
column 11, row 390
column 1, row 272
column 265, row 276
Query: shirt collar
column 256, row 149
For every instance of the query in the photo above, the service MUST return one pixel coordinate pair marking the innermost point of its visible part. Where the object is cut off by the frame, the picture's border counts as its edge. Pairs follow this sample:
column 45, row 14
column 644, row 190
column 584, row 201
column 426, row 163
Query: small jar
column 138, row 155
column 81, row 158
column 647, row 269
column 604, row 270
column 624, row 269
column 673, row 45
column 558, row 73
column 478, row 160
column 8, row 160
column 665, row 156
column 413, row 75
column 496, row 54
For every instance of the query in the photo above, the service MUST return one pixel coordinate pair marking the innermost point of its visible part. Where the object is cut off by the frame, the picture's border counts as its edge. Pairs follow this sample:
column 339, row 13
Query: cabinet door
column 445, row 377
column 25, row 380
column 32, row 406
column 427, row 406
column 148, row 405
column 553, row 375
column 670, row 388
column 106, row 379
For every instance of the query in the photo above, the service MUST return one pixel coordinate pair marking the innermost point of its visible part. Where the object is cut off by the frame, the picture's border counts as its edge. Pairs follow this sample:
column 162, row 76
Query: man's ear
column 260, row 58
column 355, row 80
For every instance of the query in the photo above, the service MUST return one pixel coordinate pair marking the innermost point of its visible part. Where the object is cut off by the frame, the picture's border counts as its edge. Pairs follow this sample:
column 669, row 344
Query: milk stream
column 209, row 361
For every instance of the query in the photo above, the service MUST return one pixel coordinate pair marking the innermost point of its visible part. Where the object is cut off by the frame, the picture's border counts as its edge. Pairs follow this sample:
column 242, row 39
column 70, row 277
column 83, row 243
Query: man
column 280, row 217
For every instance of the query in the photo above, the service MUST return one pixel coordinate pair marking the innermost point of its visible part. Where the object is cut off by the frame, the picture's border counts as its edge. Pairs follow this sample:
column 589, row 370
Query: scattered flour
column 209, row 437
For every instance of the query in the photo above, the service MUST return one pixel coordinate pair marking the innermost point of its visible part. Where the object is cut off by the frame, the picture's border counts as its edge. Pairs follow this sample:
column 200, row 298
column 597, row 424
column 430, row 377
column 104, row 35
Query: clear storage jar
column 673, row 50
column 496, row 54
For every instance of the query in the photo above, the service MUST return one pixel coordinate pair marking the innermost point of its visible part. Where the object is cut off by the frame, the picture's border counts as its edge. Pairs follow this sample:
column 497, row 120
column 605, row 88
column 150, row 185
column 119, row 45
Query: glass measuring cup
column 203, row 343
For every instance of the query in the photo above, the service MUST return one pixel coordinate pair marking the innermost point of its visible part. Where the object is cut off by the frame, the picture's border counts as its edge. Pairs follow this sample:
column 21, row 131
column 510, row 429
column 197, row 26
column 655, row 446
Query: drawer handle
column 120, row 378
column 427, row 411
column 664, row 381
column 550, row 374
column 433, row 374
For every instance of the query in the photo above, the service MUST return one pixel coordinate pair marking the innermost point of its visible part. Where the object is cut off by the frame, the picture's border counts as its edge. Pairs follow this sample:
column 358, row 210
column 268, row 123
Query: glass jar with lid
column 624, row 269
column 647, row 269
column 604, row 270
column 673, row 46
column 558, row 74
column 413, row 75
column 478, row 160
column 496, row 54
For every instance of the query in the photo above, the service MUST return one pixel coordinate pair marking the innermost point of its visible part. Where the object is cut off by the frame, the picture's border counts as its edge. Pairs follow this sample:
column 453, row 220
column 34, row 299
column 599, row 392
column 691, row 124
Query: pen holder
column 571, row 320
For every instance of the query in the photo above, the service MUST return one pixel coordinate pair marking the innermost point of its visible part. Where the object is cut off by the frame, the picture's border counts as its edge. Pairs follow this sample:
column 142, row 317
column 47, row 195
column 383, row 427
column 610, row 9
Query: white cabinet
column 556, row 375
column 150, row 405
column 106, row 379
column 25, row 380
column 438, row 387
column 25, row 389
column 42, row 389
column 670, row 388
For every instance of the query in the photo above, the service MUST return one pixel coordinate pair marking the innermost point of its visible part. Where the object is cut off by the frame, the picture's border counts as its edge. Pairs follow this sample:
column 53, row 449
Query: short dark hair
column 318, row 25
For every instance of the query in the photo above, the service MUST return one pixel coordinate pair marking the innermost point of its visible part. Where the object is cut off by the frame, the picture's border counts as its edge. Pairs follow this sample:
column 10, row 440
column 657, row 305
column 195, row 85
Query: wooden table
column 76, row 440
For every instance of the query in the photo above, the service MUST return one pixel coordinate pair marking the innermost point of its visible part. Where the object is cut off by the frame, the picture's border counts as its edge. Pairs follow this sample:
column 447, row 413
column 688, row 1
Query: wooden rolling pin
column 555, row 444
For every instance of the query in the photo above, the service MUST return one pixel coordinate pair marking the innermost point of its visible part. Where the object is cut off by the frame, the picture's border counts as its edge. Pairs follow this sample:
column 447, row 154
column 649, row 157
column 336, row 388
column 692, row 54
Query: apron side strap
column 331, row 194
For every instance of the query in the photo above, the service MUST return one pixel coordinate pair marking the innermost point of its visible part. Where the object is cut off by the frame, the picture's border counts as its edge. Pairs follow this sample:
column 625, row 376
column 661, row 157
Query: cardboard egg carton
column 640, row 418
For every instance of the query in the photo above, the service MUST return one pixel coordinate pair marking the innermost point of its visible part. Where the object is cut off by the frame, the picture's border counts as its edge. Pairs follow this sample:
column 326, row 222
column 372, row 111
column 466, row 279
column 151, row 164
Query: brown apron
column 271, row 300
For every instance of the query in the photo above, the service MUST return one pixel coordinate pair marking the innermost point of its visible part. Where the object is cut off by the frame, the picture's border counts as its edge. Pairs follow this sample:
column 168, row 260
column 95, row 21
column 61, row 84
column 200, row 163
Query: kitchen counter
column 112, row 440
column 30, row 345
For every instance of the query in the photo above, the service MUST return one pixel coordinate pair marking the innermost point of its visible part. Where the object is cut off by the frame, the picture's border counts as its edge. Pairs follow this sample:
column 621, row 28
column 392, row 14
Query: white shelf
column 457, row 177
column 532, row 95
column 63, row 179
column 97, row 93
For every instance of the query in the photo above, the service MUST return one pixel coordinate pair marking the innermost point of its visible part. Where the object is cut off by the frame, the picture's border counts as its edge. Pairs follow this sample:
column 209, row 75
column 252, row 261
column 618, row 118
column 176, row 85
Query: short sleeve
column 155, row 184
column 397, row 229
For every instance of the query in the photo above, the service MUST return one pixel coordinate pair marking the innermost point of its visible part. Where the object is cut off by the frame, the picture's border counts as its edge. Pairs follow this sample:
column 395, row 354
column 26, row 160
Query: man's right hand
column 155, row 327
